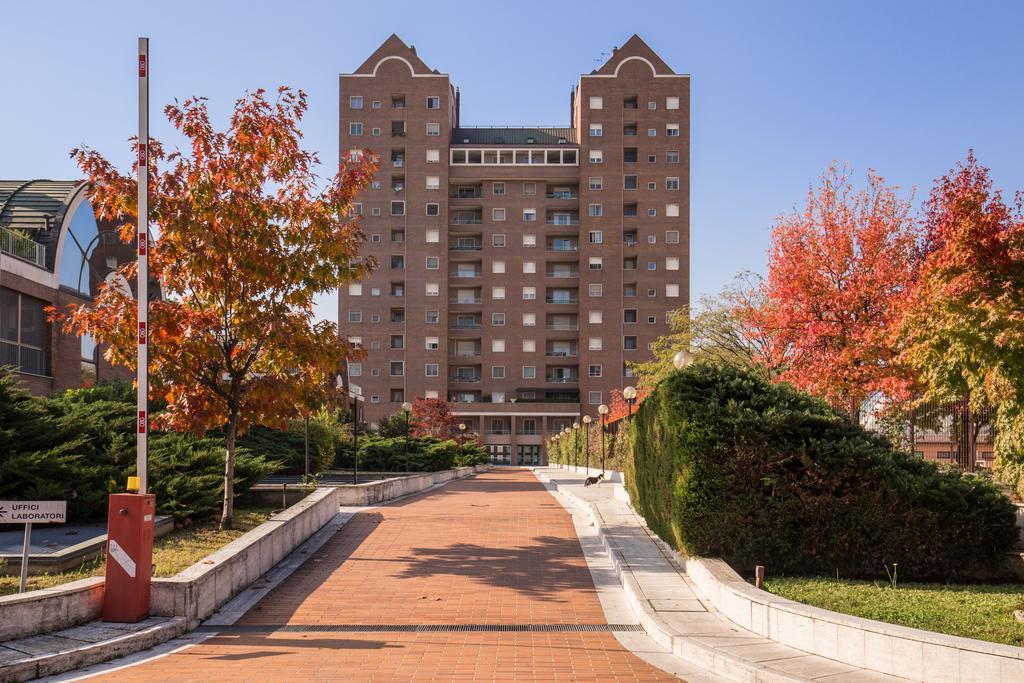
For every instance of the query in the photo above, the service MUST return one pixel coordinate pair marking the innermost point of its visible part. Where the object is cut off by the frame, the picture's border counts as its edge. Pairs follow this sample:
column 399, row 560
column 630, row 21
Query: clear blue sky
column 779, row 88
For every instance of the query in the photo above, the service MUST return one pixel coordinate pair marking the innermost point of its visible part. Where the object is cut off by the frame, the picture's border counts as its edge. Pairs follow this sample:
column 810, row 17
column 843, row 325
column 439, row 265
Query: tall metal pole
column 586, row 443
column 602, row 443
column 355, row 438
column 142, row 370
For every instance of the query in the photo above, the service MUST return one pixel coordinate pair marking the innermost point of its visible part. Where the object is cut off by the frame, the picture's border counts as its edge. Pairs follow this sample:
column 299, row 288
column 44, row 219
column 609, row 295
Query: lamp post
column 603, row 412
column 576, row 444
column 406, row 407
column 586, row 440
column 629, row 393
column 462, row 436
column 682, row 359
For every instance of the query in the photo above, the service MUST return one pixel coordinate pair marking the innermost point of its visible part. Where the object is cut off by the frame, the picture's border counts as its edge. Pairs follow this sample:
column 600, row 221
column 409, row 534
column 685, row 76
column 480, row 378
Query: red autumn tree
column 618, row 407
column 433, row 417
column 836, row 272
column 245, row 240
column 964, row 323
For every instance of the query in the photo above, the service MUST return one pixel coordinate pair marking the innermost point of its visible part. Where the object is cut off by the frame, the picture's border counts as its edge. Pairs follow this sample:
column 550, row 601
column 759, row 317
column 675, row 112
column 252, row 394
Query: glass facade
column 22, row 332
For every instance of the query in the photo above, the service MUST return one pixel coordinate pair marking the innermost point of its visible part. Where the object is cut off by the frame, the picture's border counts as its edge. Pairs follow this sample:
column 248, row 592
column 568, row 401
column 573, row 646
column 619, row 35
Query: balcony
column 564, row 194
column 465, row 354
column 562, row 274
column 22, row 247
column 556, row 247
column 563, row 327
column 499, row 431
column 466, row 220
column 466, row 193
column 474, row 246
column 561, row 300
column 473, row 301
column 560, row 354
column 562, row 379
column 466, row 274
column 464, row 379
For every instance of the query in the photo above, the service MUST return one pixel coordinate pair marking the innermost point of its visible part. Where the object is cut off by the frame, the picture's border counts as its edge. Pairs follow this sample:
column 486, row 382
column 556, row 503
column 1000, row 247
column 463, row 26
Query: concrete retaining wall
column 198, row 591
column 609, row 475
column 374, row 492
column 50, row 609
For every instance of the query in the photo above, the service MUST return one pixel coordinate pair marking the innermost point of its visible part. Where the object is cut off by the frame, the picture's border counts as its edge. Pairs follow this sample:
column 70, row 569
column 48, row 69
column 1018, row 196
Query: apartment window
column 433, row 182
column 355, row 128
column 397, row 262
column 498, row 189
column 398, row 236
column 671, row 183
column 432, row 370
column 433, row 103
column 629, row 316
column 594, row 397
column 497, row 214
column 375, row 132
column 629, row 263
column 355, row 289
column 529, row 215
column 497, row 266
column 529, row 293
column 671, row 263
column 432, row 343
column 529, row 267
column 529, row 372
column 529, row 346
column 652, row 265
column 595, row 210
column 375, row 211
column 652, row 105
column 672, row 130
column 433, row 289
column 497, row 240
column 629, row 182
column 595, row 289
column 629, row 290
column 596, row 130
column 651, row 213
column 433, row 130
column 529, row 319
column 529, row 189
column 672, row 156
column 671, row 103
column 596, row 183
column 595, row 237
column 595, row 263
column 375, row 399
column 944, row 455
column 355, row 316
column 355, row 102
column 629, row 343
column 398, row 315
column 397, row 395
column 22, row 335
column 396, row 368
column 529, row 240
column 397, row 342
column 376, row 185
column 433, row 263
column 596, row 156
column 497, row 372
column 375, row 104
column 355, row 369
column 397, row 208
column 375, row 318
column 498, row 319
column 433, row 156
column 498, row 293
column 597, row 103
column 594, row 344
column 672, row 291
column 652, row 158
column 672, row 237
column 357, row 209
column 652, row 292
column 498, row 345
column 672, row 210
column 432, row 317
column 595, row 317
column 432, row 236
column 629, row 155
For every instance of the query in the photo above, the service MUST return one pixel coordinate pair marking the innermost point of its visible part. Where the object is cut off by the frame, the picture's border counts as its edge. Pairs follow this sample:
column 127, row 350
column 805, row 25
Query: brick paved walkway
column 493, row 549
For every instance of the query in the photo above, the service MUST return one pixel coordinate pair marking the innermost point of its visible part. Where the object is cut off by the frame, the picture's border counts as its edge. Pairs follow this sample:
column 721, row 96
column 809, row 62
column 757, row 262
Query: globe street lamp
column 682, row 359
column 586, row 440
column 576, row 444
column 629, row 393
column 406, row 407
column 603, row 411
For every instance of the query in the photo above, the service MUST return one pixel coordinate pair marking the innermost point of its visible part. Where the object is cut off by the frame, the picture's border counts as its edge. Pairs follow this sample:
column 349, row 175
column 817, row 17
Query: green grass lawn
column 977, row 611
column 172, row 552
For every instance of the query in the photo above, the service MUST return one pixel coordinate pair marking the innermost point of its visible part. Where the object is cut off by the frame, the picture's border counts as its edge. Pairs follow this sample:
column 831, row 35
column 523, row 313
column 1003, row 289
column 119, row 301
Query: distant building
column 53, row 252
column 520, row 268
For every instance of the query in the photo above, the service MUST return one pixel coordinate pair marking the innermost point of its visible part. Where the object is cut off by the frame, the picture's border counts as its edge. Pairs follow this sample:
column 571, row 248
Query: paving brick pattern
column 492, row 549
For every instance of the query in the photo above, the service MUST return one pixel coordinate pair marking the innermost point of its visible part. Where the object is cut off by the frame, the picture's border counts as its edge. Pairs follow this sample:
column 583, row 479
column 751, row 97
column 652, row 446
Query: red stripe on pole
column 142, row 422
column 142, row 334
column 142, row 66
column 142, row 244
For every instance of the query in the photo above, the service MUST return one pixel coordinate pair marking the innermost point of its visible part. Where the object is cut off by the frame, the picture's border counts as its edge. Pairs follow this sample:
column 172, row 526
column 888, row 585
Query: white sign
column 33, row 511
column 122, row 557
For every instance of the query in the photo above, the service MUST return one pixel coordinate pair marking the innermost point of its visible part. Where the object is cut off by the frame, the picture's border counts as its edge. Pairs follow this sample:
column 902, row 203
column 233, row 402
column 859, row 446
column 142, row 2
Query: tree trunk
column 228, row 513
column 854, row 410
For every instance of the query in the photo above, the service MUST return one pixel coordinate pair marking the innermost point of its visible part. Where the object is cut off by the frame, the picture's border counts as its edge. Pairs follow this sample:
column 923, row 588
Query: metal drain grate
column 419, row 628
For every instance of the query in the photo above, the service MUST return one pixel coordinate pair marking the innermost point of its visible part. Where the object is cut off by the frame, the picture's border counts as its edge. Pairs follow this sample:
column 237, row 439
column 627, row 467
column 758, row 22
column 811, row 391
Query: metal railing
column 22, row 247
column 466, row 221
column 561, row 300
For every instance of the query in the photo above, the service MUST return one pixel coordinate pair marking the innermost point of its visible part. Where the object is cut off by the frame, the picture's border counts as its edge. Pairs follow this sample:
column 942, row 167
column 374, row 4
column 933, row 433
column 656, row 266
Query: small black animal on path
column 594, row 480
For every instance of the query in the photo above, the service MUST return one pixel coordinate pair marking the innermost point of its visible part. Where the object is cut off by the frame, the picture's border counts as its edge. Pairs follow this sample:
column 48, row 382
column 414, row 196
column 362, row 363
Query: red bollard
column 130, row 519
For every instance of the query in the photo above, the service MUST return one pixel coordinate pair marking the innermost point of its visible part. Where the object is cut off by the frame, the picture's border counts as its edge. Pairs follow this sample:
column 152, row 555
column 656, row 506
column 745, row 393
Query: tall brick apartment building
column 520, row 269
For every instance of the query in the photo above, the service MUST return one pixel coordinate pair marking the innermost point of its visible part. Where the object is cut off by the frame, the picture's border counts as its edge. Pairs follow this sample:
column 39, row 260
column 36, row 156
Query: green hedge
column 288, row 447
column 425, row 454
column 725, row 464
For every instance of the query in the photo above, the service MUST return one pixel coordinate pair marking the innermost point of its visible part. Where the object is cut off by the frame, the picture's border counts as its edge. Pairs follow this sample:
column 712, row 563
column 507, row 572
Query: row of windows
column 432, row 129
column 595, row 210
column 397, row 102
column 433, row 236
column 469, row 347
column 630, row 155
column 528, row 457
column 632, row 102
column 558, row 296
column 596, row 130
column 530, row 267
column 630, row 316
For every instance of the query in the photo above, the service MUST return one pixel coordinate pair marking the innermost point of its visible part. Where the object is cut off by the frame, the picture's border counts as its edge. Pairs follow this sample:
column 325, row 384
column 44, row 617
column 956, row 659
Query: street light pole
column 629, row 393
column 406, row 407
column 603, row 412
column 355, row 438
column 576, row 444
column 586, row 440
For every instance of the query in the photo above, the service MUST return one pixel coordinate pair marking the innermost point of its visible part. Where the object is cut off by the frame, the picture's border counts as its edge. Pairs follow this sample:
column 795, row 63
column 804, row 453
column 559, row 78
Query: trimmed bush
column 288, row 447
column 471, row 453
column 725, row 464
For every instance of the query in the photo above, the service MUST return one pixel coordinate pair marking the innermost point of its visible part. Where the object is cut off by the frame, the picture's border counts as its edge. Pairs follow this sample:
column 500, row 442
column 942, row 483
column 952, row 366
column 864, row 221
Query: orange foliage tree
column 246, row 239
column 837, row 271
